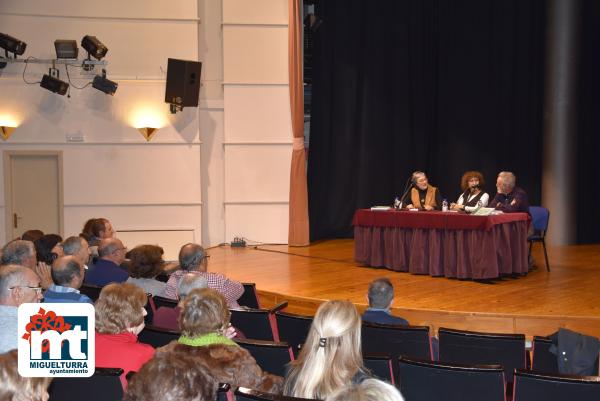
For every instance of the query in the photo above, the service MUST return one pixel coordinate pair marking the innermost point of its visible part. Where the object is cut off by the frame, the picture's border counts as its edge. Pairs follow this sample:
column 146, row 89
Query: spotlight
column 13, row 45
column 94, row 47
column 54, row 85
column 104, row 84
column 66, row 48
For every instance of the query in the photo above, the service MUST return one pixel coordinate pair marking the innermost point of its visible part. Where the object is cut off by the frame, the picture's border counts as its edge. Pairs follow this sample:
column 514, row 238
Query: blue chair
column 539, row 218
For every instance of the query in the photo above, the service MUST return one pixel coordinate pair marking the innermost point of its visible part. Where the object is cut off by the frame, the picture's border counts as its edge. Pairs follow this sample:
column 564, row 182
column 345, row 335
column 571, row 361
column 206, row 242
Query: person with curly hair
column 473, row 197
column 145, row 263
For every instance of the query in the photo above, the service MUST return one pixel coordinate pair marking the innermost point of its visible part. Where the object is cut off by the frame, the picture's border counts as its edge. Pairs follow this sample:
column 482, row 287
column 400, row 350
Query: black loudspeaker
column 183, row 83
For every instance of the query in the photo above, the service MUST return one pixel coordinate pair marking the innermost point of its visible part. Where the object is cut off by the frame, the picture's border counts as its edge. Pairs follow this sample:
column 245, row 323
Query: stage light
column 94, row 47
column 13, row 45
column 54, row 85
column 66, row 49
column 104, row 84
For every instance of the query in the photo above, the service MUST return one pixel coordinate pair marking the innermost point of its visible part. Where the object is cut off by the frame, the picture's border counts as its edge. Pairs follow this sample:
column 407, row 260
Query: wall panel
column 255, row 12
column 258, row 223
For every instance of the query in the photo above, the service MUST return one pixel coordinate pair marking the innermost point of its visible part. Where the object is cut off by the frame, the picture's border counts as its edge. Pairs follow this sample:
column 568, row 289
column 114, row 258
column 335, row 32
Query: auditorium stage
column 536, row 304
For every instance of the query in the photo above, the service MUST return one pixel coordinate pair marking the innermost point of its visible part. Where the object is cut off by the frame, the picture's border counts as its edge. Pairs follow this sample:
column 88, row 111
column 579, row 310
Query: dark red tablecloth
column 442, row 244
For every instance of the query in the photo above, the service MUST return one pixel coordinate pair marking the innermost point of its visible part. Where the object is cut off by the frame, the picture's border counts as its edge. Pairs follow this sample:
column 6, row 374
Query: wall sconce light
column 147, row 132
column 6, row 132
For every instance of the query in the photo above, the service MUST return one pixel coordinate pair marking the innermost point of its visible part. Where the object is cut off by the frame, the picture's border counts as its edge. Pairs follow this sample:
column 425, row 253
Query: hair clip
column 322, row 342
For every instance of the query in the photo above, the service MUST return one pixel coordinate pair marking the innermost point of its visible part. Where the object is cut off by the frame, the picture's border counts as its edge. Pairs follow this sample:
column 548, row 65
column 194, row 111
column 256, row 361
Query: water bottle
column 397, row 203
column 444, row 205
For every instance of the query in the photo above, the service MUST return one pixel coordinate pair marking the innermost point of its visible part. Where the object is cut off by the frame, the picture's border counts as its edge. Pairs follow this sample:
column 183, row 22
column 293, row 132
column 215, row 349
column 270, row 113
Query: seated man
column 193, row 259
column 168, row 317
column 381, row 296
column 67, row 274
column 78, row 247
column 422, row 195
column 107, row 268
column 18, row 285
column 509, row 198
column 23, row 253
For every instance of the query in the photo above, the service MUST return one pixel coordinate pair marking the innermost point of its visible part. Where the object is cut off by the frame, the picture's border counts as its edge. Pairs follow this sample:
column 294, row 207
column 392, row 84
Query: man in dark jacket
column 381, row 296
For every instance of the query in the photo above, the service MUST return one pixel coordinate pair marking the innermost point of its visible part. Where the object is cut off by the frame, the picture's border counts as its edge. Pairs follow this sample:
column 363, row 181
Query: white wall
column 216, row 171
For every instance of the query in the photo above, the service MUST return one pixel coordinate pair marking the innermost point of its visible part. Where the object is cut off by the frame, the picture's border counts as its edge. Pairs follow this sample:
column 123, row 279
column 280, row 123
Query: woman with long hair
column 331, row 357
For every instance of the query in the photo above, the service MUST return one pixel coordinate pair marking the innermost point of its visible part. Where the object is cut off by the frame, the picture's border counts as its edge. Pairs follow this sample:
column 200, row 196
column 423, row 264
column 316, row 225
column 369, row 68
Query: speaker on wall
column 183, row 83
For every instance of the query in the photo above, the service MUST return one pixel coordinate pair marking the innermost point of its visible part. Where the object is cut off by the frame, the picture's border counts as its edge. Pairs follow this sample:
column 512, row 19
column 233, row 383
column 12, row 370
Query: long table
column 449, row 244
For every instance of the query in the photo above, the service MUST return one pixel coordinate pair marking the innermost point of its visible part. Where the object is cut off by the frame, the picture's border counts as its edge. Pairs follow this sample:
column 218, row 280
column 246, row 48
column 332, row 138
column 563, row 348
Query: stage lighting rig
column 12, row 45
column 104, row 84
column 66, row 49
column 95, row 49
column 51, row 82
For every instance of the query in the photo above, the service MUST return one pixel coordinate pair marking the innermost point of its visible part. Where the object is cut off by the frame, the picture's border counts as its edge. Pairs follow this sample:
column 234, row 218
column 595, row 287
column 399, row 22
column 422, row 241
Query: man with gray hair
column 78, row 247
column 67, row 274
column 18, row 285
column 22, row 253
column 509, row 198
column 167, row 317
column 193, row 259
column 107, row 268
column 381, row 296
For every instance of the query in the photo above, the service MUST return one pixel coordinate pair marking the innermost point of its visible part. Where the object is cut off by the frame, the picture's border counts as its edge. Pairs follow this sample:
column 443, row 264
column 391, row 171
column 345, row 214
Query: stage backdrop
column 433, row 85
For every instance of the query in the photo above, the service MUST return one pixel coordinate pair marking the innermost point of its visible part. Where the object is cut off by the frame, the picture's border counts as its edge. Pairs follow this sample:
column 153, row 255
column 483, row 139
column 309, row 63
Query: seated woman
column 145, row 263
column 422, row 195
column 368, row 390
column 16, row 387
column 204, row 322
column 331, row 358
column 119, row 319
column 473, row 196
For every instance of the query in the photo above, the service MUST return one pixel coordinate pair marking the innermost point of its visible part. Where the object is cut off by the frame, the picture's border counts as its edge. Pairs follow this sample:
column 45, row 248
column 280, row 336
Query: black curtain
column 588, row 144
column 433, row 85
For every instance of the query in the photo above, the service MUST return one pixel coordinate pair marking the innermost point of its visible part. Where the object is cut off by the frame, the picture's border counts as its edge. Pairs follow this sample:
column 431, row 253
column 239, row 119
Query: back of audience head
column 145, row 261
column 19, row 252
column 204, row 311
column 78, row 247
column 16, row 387
column 381, row 293
column 368, row 390
column 331, row 355
column 120, row 309
column 48, row 248
column 189, row 282
column 169, row 377
column 19, row 285
column 67, row 271
column 32, row 235
column 193, row 257
column 112, row 249
column 97, row 229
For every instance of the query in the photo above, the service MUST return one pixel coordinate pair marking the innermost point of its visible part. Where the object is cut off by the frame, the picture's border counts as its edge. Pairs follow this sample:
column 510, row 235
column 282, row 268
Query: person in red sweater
column 119, row 319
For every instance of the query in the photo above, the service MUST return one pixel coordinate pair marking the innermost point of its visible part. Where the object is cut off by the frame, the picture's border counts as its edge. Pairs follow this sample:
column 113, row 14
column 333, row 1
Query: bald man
column 67, row 273
column 18, row 285
column 111, row 253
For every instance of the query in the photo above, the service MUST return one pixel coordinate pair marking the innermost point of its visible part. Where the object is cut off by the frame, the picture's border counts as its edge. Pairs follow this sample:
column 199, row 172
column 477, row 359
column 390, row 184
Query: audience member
column 67, row 273
column 78, row 247
column 422, row 195
column 168, row 317
column 331, row 356
column 18, row 285
column 509, row 198
column 193, row 259
column 381, row 297
column 107, row 268
column 19, row 252
column 473, row 196
column 145, row 263
column 48, row 248
column 204, row 321
column 368, row 390
column 119, row 319
column 95, row 230
column 16, row 387
column 32, row 235
column 169, row 377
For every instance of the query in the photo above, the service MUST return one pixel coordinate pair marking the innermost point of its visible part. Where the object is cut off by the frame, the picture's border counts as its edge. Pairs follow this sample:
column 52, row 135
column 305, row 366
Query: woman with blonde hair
column 368, row 390
column 16, row 387
column 119, row 319
column 331, row 357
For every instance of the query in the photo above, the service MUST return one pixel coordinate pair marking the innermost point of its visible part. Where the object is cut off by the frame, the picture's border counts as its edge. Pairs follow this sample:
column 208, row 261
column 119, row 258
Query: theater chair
column 272, row 357
column 467, row 347
column 246, row 394
column 92, row 291
column 293, row 329
column 157, row 336
column 542, row 359
column 103, row 385
column 381, row 367
column 434, row 381
column 156, row 302
column 257, row 324
column 249, row 298
column 533, row 386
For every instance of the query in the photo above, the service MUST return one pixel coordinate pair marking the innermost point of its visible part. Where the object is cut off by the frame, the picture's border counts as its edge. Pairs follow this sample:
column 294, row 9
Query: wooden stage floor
column 536, row 304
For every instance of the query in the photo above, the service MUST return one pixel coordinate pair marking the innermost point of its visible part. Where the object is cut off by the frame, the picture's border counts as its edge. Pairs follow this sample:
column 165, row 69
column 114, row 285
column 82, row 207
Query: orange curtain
column 298, row 228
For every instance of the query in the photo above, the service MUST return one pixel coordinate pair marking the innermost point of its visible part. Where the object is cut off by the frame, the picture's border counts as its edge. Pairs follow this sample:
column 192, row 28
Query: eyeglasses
column 37, row 289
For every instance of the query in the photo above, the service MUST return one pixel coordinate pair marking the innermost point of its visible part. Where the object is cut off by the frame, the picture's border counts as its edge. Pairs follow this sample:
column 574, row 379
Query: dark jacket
column 576, row 353
column 381, row 316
